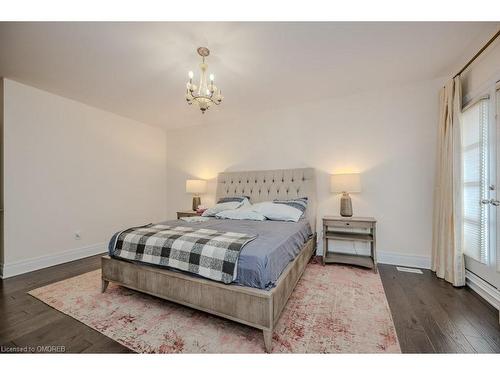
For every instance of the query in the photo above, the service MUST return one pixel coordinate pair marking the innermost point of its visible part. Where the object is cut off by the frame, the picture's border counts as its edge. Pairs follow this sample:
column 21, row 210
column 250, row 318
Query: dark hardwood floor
column 430, row 315
column 26, row 321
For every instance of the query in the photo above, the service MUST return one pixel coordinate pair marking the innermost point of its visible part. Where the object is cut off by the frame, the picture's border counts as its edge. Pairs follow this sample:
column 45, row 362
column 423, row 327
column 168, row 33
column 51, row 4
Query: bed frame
column 251, row 306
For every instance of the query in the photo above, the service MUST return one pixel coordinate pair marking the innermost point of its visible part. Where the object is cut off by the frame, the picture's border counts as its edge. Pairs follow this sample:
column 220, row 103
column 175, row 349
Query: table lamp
column 345, row 183
column 196, row 187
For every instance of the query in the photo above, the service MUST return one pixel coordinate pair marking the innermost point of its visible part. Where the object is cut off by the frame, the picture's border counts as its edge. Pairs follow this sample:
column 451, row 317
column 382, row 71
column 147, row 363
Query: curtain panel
column 447, row 255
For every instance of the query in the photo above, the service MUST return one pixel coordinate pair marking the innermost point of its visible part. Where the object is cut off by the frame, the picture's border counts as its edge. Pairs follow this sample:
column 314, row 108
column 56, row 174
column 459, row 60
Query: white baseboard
column 485, row 290
column 398, row 259
column 33, row 264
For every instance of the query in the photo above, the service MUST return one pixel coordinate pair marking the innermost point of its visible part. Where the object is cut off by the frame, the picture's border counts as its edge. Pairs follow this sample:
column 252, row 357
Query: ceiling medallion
column 206, row 93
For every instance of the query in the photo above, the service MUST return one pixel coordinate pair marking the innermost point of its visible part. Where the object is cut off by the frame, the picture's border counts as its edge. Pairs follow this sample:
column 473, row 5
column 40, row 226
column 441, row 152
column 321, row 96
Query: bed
column 268, row 268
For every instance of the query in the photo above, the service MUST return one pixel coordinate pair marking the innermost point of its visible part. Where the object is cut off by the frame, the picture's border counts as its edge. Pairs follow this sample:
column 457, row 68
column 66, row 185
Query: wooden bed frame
column 251, row 306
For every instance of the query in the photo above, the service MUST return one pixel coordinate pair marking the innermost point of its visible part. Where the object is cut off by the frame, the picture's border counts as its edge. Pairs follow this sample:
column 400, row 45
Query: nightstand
column 186, row 213
column 352, row 229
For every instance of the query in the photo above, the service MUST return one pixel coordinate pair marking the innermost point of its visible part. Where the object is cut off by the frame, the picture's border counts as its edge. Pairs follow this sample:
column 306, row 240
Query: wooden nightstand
column 186, row 213
column 359, row 229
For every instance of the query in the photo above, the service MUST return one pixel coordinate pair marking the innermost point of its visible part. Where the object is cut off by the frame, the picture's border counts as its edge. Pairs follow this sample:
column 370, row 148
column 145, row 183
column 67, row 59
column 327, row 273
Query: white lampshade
column 345, row 183
column 196, row 186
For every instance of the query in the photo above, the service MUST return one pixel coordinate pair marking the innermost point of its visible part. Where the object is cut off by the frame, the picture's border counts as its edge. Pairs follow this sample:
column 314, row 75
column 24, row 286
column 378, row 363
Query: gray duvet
column 261, row 261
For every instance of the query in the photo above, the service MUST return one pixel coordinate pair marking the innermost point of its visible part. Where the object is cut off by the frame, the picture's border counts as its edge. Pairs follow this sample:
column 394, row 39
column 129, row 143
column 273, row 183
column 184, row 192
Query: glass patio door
column 480, row 181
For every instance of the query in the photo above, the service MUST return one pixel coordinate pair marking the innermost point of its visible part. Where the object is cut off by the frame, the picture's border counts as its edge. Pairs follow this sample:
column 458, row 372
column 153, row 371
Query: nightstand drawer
column 186, row 214
column 347, row 224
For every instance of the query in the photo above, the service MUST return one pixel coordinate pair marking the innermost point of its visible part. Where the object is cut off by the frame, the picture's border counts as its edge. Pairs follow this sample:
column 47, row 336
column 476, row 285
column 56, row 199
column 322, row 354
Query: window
column 475, row 180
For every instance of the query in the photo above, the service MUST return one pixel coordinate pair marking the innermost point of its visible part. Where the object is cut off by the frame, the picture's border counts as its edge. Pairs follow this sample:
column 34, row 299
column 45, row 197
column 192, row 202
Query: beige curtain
column 447, row 255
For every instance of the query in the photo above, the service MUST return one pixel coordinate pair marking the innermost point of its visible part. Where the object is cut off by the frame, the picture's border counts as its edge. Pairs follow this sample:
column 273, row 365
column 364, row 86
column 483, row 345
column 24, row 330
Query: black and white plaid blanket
column 205, row 252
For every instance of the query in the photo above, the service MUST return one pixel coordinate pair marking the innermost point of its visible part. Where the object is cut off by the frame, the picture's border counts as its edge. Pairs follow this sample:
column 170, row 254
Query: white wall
column 389, row 136
column 69, row 167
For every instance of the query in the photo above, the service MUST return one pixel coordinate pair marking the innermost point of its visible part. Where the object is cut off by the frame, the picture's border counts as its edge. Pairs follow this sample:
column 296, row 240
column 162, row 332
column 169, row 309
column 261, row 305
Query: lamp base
column 345, row 205
column 196, row 203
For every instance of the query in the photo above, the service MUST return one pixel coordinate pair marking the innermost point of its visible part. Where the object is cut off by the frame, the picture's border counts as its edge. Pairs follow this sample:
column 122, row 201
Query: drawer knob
column 347, row 223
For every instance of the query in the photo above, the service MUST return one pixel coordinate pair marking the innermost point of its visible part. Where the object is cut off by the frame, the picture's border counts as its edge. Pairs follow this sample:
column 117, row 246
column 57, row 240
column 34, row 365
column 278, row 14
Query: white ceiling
column 139, row 70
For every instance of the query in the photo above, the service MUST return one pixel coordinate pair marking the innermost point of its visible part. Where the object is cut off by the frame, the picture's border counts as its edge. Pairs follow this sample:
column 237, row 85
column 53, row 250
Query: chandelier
column 206, row 93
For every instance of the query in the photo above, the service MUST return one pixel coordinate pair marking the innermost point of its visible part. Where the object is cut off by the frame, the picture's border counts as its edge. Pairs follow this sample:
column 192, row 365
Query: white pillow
column 219, row 207
column 276, row 211
column 241, row 213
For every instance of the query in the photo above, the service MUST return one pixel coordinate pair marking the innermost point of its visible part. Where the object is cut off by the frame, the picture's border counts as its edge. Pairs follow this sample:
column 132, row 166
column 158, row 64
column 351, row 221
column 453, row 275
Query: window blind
column 474, row 126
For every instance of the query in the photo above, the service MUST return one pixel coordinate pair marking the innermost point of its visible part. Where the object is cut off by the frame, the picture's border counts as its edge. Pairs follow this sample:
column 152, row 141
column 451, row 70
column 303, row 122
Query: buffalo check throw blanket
column 205, row 252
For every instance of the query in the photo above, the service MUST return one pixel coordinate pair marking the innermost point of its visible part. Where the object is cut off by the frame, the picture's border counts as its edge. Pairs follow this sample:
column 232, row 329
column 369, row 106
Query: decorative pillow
column 242, row 213
column 237, row 198
column 278, row 211
column 297, row 203
column 224, row 206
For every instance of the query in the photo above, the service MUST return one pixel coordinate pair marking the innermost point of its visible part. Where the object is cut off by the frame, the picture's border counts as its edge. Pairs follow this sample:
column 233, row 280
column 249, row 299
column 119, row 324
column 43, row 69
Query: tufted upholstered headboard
column 273, row 184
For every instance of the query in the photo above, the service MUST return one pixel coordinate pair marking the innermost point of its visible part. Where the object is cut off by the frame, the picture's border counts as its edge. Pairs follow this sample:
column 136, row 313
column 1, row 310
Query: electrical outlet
column 78, row 236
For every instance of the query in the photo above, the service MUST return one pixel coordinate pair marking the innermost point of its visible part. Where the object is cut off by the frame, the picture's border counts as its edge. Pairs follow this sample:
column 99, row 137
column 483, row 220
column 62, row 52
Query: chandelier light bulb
column 191, row 74
column 212, row 77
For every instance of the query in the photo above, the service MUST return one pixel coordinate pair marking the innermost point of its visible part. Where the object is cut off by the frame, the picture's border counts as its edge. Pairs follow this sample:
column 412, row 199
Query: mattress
column 261, row 261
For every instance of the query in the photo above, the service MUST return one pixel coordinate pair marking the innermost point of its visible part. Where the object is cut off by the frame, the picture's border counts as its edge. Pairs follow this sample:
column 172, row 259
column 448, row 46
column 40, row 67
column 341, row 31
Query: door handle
column 491, row 201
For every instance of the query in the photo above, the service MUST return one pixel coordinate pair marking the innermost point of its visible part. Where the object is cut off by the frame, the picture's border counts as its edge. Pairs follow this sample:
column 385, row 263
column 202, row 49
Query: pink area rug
column 333, row 309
